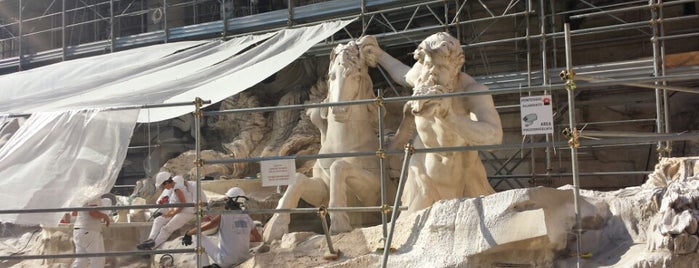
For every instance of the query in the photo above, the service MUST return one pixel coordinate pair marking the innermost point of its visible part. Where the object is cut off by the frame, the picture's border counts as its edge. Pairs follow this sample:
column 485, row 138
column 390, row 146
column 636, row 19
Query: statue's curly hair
column 447, row 50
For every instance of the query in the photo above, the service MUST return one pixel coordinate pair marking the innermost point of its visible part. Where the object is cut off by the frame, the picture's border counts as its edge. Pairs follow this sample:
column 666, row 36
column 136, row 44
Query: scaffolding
column 520, row 48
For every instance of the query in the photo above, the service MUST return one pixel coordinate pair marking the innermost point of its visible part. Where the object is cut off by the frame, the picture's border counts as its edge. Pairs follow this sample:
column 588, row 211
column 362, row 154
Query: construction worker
column 172, row 219
column 235, row 232
column 87, row 233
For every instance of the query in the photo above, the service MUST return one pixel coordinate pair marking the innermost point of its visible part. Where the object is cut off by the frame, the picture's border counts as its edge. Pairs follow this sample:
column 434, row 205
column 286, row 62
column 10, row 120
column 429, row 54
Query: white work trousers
column 163, row 227
column 88, row 242
column 213, row 252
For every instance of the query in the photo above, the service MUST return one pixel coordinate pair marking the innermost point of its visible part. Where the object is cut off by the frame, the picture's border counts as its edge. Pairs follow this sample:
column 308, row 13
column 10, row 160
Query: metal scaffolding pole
column 19, row 38
column 573, row 142
column 63, row 31
column 198, row 163
column 544, row 80
column 659, row 124
column 408, row 152
column 112, row 22
column 382, row 162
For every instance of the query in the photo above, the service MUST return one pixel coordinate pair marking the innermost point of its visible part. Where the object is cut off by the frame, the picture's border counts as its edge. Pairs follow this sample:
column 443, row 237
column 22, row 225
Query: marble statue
column 441, row 122
column 342, row 181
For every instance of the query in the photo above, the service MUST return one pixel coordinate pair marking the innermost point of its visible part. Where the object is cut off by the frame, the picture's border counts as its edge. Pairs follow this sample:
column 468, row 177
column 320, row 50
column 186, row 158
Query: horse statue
column 342, row 181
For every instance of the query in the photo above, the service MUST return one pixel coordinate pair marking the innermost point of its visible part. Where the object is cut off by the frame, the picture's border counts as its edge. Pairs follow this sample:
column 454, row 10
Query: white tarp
column 64, row 154
column 59, row 158
column 210, row 71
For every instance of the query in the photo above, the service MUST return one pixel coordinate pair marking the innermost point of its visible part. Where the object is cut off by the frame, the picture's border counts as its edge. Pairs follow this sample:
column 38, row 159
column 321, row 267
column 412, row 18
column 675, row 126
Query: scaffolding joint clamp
column 572, row 136
column 200, row 208
column 567, row 74
column 409, row 148
column 322, row 211
column 381, row 153
column 379, row 101
column 385, row 208
column 199, row 162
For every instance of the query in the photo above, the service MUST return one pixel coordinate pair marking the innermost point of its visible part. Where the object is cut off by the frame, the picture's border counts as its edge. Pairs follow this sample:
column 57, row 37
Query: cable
column 25, row 245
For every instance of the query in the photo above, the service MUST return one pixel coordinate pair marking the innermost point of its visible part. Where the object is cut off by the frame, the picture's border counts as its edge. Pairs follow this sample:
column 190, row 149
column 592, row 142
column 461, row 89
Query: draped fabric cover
column 72, row 146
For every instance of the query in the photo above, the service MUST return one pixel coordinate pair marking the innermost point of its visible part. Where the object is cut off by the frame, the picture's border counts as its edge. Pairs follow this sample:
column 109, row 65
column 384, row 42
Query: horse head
column 348, row 79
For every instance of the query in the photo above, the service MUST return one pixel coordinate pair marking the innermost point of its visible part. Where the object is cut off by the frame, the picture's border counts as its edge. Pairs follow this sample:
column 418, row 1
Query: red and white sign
column 537, row 115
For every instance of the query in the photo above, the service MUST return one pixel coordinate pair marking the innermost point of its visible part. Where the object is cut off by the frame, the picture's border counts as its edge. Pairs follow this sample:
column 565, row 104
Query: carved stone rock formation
column 281, row 132
column 184, row 165
column 675, row 204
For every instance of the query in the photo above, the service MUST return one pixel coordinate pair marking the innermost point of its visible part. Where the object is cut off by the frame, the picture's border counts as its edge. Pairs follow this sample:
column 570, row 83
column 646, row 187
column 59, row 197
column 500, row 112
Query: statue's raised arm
column 375, row 55
column 441, row 122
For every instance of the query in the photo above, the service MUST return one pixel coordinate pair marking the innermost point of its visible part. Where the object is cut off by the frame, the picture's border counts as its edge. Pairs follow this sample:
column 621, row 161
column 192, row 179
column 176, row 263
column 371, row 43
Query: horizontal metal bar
column 143, row 147
column 559, row 144
column 300, row 210
column 606, row 82
column 605, row 12
column 668, row 37
column 124, row 186
column 45, row 210
column 616, row 134
column 86, row 255
column 616, row 122
column 609, row 173
column 641, row 85
column 128, row 107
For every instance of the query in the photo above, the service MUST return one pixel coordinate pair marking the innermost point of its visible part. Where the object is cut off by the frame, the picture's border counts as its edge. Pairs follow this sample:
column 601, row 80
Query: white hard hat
column 234, row 192
column 93, row 202
column 106, row 202
column 162, row 177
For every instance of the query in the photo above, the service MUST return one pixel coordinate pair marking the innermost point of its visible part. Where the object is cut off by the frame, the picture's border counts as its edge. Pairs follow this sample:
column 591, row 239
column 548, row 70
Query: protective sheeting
column 63, row 154
column 26, row 91
column 212, row 71
column 61, row 159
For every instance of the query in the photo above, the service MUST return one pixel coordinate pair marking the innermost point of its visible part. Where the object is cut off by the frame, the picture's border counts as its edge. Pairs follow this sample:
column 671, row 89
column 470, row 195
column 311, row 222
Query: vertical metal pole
column 529, row 81
column 446, row 16
column 63, row 30
column 111, row 26
column 659, row 124
column 382, row 163
column 658, row 69
column 198, row 163
column 290, row 18
column 194, row 11
column 19, row 49
column 165, row 28
column 396, row 204
column 224, row 19
column 363, row 7
column 666, row 108
column 544, row 78
column 552, row 7
column 528, row 43
column 457, row 19
column 144, row 20
column 573, row 142
column 542, row 42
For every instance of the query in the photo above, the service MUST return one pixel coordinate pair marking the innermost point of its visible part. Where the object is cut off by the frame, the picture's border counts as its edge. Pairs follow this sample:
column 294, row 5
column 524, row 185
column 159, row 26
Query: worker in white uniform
column 234, row 230
column 174, row 218
column 87, row 233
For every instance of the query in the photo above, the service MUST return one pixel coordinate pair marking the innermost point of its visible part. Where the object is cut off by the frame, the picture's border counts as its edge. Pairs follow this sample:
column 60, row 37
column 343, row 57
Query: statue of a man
column 442, row 122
